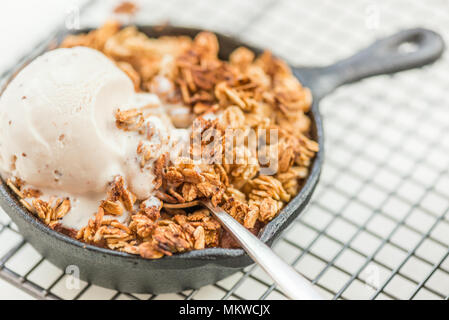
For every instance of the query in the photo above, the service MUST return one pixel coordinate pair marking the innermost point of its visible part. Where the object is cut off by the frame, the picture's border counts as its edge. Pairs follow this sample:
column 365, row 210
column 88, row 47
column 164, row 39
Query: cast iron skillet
column 194, row 269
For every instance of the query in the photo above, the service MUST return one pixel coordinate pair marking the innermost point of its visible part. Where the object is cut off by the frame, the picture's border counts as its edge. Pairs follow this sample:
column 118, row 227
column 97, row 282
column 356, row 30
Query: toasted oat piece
column 111, row 207
column 126, row 7
column 182, row 205
column 63, row 208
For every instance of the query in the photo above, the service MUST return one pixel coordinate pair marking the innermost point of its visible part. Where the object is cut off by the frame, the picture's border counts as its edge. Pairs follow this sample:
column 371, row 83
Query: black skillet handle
column 384, row 56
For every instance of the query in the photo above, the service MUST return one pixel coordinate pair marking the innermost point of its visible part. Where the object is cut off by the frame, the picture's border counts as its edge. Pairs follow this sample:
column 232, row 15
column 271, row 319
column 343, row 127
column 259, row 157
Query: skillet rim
column 267, row 234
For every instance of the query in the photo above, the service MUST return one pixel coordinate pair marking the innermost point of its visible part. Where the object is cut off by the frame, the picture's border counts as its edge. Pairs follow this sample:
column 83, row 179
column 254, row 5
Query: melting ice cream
column 58, row 131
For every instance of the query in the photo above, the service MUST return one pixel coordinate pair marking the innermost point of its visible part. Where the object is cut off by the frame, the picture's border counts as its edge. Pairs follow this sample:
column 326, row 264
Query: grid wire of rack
column 377, row 226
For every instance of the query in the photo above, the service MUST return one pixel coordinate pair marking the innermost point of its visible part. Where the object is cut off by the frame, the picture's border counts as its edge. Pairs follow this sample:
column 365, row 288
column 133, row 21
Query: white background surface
column 25, row 22
column 379, row 217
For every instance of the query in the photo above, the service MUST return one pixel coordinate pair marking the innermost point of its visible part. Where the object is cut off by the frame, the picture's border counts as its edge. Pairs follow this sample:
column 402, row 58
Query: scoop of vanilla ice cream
column 58, row 131
column 57, row 125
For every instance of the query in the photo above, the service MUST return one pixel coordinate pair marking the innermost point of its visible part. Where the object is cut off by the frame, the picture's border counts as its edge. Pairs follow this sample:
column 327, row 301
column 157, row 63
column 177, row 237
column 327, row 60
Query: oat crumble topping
column 248, row 92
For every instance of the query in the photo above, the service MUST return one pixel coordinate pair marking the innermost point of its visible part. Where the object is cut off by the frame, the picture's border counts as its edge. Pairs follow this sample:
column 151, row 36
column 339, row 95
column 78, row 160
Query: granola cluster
column 234, row 103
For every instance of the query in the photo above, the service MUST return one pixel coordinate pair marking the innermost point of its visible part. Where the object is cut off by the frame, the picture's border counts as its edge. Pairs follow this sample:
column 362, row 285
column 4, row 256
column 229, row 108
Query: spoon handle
column 294, row 285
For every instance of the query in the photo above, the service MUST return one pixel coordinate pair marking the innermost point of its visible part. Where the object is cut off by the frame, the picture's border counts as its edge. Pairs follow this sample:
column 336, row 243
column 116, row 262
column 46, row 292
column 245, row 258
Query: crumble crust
column 251, row 93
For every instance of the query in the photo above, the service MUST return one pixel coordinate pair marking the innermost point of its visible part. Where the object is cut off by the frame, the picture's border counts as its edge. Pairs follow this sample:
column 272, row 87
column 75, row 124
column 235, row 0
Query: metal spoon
column 294, row 285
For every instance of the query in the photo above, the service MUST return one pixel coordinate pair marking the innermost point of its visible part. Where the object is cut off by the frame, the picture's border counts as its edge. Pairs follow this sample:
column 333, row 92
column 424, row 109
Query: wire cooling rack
column 377, row 227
